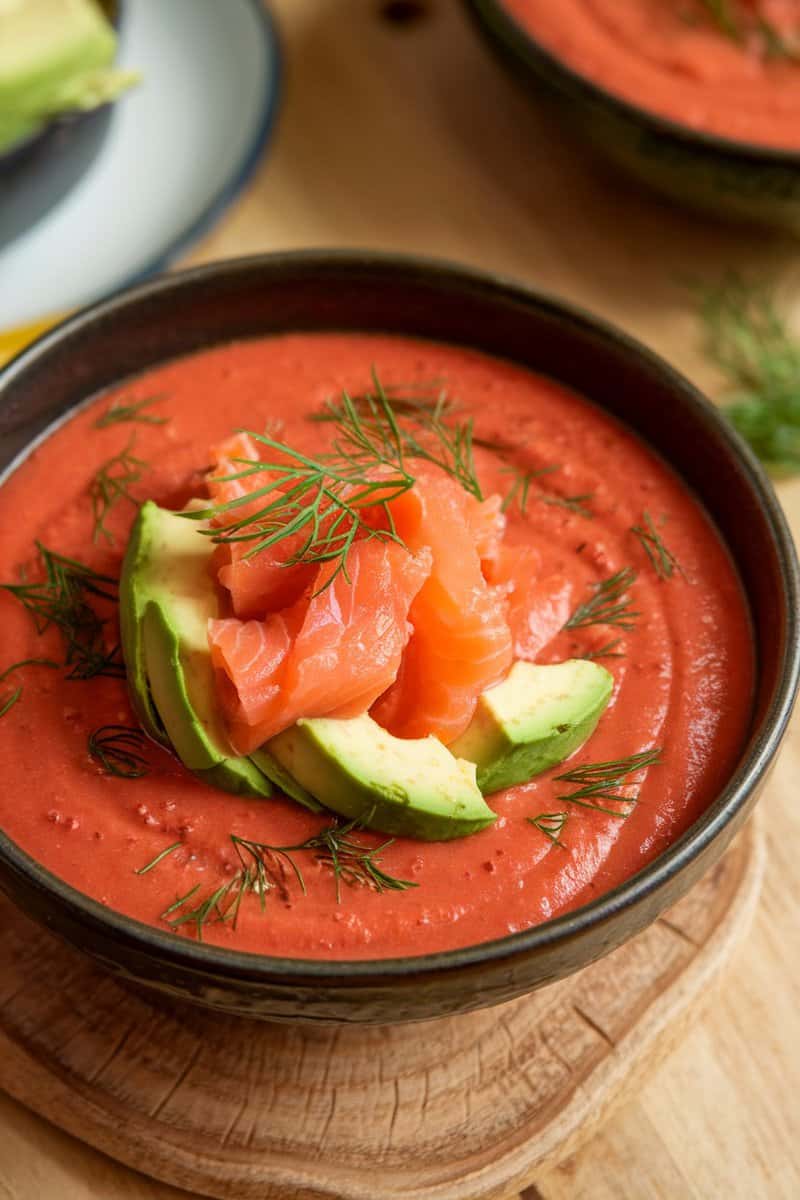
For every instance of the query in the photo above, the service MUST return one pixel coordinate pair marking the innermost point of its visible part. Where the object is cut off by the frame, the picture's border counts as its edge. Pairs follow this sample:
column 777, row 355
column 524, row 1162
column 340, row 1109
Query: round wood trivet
column 465, row 1108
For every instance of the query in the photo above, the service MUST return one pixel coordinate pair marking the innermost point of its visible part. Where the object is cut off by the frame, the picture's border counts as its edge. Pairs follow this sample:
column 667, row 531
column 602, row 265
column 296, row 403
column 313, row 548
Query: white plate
column 180, row 149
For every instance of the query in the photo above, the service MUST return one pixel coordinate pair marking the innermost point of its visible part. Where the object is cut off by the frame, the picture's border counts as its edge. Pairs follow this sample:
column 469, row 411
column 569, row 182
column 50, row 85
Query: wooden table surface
column 409, row 137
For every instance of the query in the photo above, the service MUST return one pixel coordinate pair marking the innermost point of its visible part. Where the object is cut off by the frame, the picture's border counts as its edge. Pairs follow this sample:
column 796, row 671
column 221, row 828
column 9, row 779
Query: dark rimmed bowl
column 722, row 177
column 176, row 315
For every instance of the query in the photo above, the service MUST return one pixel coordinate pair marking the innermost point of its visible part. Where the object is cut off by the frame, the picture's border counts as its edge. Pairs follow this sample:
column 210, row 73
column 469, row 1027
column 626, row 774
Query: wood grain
column 466, row 1108
column 412, row 138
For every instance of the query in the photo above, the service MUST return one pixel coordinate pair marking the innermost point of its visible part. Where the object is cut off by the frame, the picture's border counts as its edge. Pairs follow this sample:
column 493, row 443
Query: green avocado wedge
column 239, row 776
column 411, row 788
column 268, row 764
column 134, row 595
column 538, row 716
column 56, row 56
column 167, row 597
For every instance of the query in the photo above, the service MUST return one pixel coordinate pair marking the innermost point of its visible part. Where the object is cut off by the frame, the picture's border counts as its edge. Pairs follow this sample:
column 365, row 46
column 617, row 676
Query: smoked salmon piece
column 461, row 642
column 263, row 582
column 250, row 657
column 223, row 490
column 333, row 652
column 488, row 524
column 538, row 606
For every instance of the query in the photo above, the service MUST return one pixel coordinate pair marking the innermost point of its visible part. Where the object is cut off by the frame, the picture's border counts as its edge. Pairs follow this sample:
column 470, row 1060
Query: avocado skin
column 158, row 663
column 390, row 807
column 515, row 750
column 519, row 764
column 132, row 605
column 187, row 736
column 239, row 776
column 268, row 765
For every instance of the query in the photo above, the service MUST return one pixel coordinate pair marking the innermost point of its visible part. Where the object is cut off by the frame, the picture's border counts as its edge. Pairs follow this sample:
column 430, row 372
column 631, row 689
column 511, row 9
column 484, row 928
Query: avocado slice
column 535, row 718
column 167, row 596
column 409, row 787
column 268, row 764
column 55, row 56
column 134, row 595
column 237, row 775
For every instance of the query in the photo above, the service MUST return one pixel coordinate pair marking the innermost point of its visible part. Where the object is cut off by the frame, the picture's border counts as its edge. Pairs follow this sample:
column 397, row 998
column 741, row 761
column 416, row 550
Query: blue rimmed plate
column 179, row 150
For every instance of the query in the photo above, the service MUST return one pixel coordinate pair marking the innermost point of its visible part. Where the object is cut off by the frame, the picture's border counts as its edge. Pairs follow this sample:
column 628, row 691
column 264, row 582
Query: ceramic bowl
column 719, row 176
column 181, row 147
column 175, row 315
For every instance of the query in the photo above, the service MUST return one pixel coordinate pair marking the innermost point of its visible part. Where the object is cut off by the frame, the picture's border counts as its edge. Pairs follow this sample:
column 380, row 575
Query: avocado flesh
column 237, row 775
column 167, row 597
column 275, row 773
column 534, row 719
column 55, row 56
column 411, row 788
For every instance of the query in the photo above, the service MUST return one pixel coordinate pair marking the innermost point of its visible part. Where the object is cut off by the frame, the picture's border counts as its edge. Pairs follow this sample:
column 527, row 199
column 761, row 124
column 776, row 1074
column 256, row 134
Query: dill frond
column 609, row 605
column 121, row 411
column 61, row 599
column 111, row 484
column 603, row 780
column 747, row 338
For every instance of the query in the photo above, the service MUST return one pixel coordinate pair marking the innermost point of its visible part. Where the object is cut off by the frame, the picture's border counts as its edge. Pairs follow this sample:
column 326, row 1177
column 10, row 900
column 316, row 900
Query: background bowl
column 103, row 345
column 38, row 173
column 719, row 176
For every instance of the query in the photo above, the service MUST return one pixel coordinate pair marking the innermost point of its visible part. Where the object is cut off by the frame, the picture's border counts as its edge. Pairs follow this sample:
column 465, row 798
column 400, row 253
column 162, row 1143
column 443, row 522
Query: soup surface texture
column 683, row 671
column 669, row 57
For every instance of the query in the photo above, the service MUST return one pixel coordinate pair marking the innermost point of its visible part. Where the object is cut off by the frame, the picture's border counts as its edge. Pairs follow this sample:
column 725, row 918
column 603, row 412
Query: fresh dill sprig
column 609, row 605
column 414, row 401
column 318, row 505
column 15, row 694
column 777, row 44
column 111, row 484
column 118, row 751
column 520, row 491
column 407, row 400
column 264, row 868
column 373, row 434
column 132, row 410
column 575, row 504
column 321, row 501
column 662, row 560
column 607, row 650
column 738, row 23
column 747, row 338
column 551, row 825
column 177, row 903
column 162, row 854
column 602, row 781
column 722, row 14
column 61, row 599
column 350, row 861
column 521, row 485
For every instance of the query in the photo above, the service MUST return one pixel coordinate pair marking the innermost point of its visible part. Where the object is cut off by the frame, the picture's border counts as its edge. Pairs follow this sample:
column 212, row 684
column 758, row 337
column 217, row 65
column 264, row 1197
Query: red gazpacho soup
column 418, row 563
column 730, row 68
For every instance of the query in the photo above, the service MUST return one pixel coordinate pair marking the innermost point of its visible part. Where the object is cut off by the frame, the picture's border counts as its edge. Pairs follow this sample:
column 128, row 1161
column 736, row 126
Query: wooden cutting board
column 466, row 1108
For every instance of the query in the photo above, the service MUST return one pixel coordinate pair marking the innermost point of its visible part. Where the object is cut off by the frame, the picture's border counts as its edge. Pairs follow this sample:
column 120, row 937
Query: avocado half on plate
column 419, row 788
column 56, row 57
